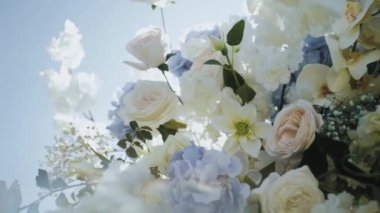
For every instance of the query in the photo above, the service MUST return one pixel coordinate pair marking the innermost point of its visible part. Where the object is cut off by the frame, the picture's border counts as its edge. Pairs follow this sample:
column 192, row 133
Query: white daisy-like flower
column 241, row 125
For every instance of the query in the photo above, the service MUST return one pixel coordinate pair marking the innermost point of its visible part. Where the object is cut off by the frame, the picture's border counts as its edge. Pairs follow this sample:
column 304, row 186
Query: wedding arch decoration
column 276, row 110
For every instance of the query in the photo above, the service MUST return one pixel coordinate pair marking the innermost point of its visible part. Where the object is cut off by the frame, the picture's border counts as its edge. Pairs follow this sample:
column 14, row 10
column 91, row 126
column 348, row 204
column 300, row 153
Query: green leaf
column 62, row 201
column 131, row 152
column 140, row 136
column 169, row 56
column 58, row 183
column 33, row 208
column 129, row 137
column 229, row 80
column 122, row 144
column 133, row 125
column 173, row 124
column 87, row 190
column 224, row 51
column 246, row 93
column 165, row 132
column 235, row 35
column 42, row 179
column 103, row 160
column 155, row 171
column 146, row 128
column 163, row 67
column 153, row 7
column 138, row 144
column 316, row 159
column 170, row 128
column 146, row 134
column 213, row 62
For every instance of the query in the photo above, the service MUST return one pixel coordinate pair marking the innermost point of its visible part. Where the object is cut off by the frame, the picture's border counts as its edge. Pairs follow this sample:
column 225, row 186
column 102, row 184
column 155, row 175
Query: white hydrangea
column 67, row 48
column 343, row 203
column 130, row 190
column 71, row 92
column 199, row 93
column 73, row 153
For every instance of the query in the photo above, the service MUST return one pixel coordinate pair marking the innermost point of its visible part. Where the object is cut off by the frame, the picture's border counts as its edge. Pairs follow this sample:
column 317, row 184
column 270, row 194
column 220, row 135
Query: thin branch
column 163, row 20
column 51, row 193
column 282, row 101
column 171, row 88
column 378, row 12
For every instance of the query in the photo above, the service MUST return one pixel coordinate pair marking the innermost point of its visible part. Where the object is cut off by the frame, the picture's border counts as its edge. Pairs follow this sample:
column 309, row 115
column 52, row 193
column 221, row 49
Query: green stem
column 232, row 70
column 167, row 82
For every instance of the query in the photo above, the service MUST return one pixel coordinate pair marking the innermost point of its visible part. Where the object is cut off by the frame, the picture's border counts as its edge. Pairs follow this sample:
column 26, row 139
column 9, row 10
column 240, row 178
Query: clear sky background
column 26, row 29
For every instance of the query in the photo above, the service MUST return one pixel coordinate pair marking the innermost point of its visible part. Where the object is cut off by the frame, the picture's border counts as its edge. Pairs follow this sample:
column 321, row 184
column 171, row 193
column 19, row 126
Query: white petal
column 251, row 147
column 358, row 69
column 338, row 82
column 339, row 62
column 139, row 66
column 263, row 130
column 231, row 145
column 349, row 37
column 310, row 81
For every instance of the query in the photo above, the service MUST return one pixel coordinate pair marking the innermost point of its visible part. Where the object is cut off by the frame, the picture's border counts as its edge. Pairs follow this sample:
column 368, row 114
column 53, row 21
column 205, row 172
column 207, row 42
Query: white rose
column 296, row 191
column 295, row 127
column 150, row 103
column 149, row 46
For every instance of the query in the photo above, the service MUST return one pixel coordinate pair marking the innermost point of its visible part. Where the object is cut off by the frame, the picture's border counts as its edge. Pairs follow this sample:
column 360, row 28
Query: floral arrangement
column 277, row 110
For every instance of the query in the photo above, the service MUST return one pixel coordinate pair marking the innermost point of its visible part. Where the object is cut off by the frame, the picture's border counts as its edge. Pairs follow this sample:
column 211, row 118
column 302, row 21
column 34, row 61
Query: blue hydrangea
column 117, row 126
column 316, row 51
column 205, row 181
column 178, row 64
column 203, row 32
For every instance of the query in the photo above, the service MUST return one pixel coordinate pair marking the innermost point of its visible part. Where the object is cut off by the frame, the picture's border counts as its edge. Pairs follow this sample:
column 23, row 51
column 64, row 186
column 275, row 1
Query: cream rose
column 295, row 127
column 149, row 46
column 295, row 192
column 150, row 103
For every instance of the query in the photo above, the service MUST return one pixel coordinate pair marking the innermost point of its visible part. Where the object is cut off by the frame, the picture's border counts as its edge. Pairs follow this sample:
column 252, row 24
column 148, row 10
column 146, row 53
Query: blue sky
column 27, row 27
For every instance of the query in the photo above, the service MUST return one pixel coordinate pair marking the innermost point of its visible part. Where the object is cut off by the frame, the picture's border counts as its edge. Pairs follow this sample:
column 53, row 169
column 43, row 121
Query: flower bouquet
column 276, row 110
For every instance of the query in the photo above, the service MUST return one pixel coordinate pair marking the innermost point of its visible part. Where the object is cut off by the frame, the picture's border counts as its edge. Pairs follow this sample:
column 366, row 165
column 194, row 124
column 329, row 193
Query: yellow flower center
column 353, row 57
column 242, row 128
column 324, row 90
column 353, row 8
